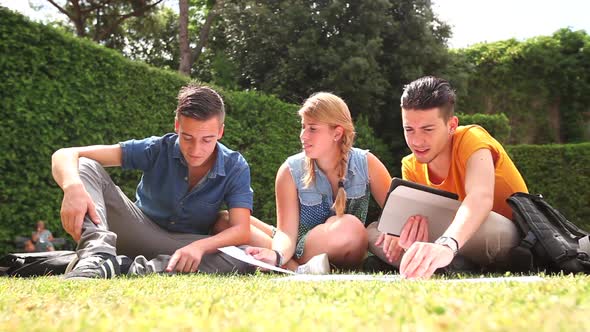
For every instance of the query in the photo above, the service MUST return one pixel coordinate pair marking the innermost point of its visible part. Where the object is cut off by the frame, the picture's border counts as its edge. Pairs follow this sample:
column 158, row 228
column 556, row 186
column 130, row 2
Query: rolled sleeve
column 240, row 193
column 140, row 154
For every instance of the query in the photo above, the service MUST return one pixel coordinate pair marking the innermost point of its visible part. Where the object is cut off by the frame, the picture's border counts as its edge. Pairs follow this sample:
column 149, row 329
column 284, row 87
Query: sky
column 472, row 21
column 475, row 21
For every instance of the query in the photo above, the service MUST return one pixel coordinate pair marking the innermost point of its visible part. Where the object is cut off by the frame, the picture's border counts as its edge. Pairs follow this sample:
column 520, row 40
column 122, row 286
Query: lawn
column 259, row 303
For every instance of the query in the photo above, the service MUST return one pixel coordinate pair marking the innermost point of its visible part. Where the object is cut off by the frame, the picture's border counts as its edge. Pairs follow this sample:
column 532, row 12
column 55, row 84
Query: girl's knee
column 349, row 239
column 349, row 227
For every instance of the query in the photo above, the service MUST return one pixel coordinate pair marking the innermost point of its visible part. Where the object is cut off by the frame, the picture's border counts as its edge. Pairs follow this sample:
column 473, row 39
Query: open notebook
column 406, row 199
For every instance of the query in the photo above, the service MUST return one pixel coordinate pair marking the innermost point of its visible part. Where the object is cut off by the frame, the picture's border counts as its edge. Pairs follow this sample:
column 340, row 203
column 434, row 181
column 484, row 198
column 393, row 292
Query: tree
column 189, row 56
column 364, row 51
column 142, row 30
column 99, row 19
column 152, row 38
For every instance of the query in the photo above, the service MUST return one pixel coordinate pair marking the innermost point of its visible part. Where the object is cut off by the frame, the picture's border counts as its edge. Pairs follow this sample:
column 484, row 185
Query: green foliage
column 542, row 84
column 364, row 51
column 365, row 139
column 496, row 124
column 102, row 22
column 151, row 38
column 60, row 91
column 561, row 174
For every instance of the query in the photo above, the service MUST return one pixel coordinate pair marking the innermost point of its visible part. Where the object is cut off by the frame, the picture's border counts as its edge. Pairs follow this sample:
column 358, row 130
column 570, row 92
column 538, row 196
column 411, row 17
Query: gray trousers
column 490, row 244
column 125, row 230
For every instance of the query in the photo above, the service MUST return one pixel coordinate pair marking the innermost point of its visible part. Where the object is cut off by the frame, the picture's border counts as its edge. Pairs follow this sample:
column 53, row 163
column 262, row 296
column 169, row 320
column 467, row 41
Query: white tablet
column 406, row 199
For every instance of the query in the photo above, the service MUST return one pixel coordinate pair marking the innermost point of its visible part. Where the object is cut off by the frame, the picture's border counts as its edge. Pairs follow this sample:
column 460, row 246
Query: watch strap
column 449, row 242
column 279, row 259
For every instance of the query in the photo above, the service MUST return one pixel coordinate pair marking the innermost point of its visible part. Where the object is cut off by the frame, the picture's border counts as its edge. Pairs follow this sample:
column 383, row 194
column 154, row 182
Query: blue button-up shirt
column 163, row 192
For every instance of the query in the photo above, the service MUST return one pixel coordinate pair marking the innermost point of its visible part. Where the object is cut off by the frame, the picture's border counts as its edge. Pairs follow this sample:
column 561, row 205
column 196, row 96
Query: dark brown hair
column 200, row 103
column 429, row 92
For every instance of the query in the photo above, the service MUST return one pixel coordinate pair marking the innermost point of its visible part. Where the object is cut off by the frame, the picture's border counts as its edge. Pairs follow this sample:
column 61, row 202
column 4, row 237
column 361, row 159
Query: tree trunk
column 77, row 18
column 555, row 121
column 204, row 33
column 185, row 50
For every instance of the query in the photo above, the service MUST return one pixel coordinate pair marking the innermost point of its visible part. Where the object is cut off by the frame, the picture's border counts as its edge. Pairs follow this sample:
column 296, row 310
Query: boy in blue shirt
column 187, row 176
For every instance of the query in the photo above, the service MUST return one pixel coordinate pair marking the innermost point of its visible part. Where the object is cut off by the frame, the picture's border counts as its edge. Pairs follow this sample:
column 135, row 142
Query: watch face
column 448, row 242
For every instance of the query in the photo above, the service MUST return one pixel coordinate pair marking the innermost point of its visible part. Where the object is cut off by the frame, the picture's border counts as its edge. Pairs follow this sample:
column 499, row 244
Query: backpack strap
column 555, row 215
column 529, row 240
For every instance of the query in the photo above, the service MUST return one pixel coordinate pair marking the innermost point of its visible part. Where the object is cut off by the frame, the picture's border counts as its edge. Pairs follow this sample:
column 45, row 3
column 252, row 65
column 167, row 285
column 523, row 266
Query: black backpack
column 35, row 263
column 549, row 241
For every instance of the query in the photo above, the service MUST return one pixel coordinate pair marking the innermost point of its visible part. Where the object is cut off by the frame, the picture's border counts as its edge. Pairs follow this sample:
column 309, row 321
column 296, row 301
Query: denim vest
column 315, row 201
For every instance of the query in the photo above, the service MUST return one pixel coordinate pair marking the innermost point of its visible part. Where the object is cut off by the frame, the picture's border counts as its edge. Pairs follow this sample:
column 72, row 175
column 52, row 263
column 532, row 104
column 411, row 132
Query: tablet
column 406, row 199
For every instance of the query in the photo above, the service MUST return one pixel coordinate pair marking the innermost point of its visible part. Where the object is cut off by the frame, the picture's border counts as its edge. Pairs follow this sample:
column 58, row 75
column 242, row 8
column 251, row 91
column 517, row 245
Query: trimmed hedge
column 497, row 125
column 541, row 83
column 59, row 91
column 561, row 174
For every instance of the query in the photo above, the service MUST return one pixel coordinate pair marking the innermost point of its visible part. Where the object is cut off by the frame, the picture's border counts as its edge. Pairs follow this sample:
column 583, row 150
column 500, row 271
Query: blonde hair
column 330, row 109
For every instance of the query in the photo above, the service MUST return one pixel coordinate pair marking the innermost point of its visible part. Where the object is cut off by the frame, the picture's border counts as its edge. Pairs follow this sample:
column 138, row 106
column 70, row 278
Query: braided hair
column 328, row 108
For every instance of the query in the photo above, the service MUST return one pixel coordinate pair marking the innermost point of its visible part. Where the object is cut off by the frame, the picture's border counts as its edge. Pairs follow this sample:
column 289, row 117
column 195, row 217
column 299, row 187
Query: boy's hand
column 263, row 254
column 74, row 206
column 186, row 259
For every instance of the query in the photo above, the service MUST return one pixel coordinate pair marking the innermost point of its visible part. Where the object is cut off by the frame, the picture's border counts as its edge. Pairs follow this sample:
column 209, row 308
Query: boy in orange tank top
column 465, row 160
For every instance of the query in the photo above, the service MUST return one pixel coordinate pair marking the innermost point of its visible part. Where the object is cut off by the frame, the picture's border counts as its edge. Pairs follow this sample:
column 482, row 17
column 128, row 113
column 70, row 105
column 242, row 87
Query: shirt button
column 172, row 222
column 185, row 178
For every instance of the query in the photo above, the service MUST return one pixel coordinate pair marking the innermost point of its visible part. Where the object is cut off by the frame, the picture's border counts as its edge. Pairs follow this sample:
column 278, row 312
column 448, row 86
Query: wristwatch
column 279, row 261
column 449, row 242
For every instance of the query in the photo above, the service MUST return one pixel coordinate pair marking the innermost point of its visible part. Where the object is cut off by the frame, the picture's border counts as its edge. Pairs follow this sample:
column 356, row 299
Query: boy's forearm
column 471, row 214
column 283, row 243
column 64, row 167
column 233, row 236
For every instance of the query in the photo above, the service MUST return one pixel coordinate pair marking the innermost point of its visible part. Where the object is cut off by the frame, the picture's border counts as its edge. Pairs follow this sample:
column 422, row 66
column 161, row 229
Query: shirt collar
column 176, row 151
column 219, row 167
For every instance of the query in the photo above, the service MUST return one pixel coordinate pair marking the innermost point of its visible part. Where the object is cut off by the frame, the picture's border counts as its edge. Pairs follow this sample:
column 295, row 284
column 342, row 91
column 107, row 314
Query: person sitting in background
column 42, row 238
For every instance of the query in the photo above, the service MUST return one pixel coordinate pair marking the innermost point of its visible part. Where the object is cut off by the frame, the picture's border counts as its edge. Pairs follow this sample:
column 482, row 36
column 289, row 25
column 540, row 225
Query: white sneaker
column 318, row 264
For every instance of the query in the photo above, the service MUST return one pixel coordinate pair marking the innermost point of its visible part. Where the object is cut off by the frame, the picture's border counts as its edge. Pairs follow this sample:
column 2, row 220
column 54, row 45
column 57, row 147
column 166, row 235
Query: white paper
column 396, row 278
column 240, row 254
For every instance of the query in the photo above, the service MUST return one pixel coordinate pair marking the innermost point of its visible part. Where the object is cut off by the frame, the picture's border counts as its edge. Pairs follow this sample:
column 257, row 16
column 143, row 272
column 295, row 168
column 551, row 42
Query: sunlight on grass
column 256, row 303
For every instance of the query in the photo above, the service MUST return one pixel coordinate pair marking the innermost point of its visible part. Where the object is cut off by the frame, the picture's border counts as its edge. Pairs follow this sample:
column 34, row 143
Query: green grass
column 257, row 303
